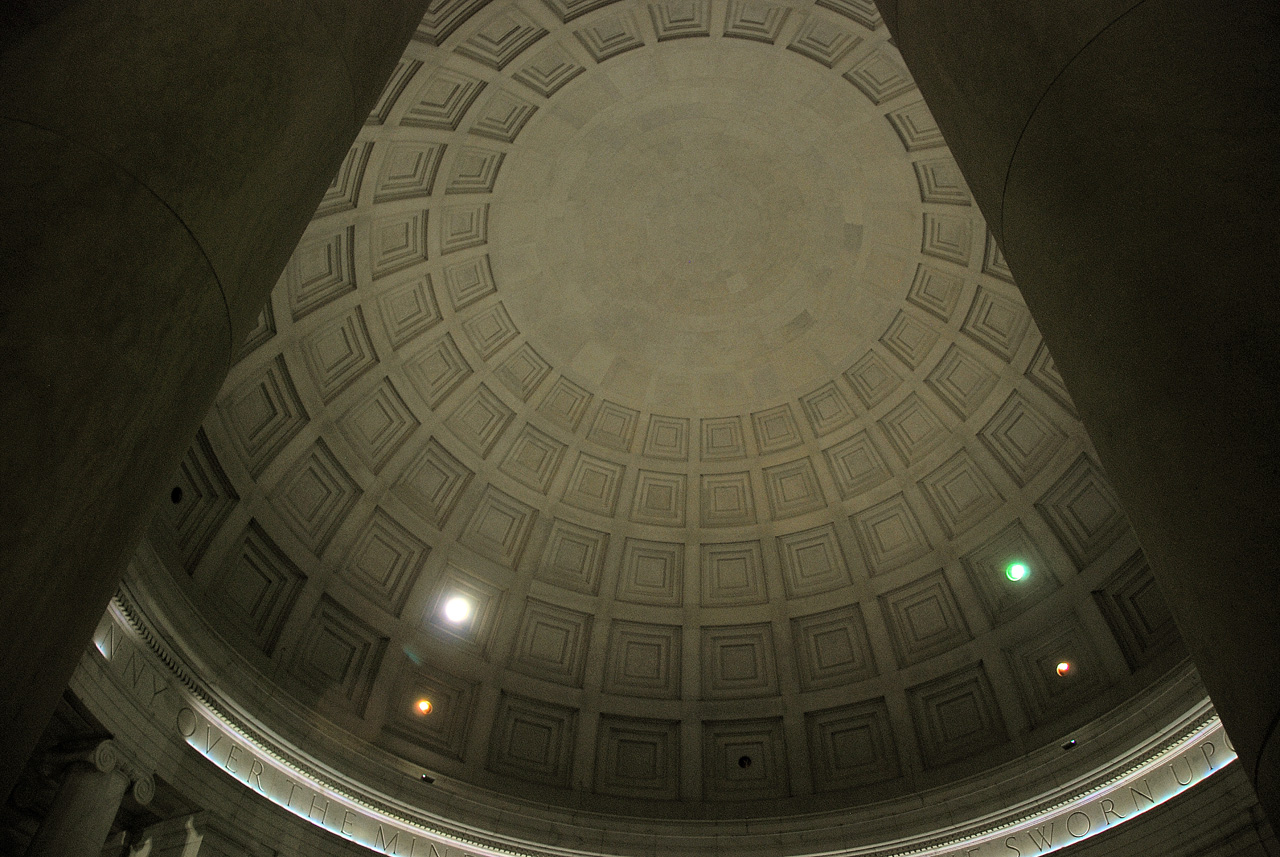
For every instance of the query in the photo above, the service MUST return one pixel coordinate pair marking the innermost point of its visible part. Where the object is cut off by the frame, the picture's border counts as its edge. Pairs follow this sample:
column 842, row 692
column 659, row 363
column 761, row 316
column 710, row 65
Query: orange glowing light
column 1063, row 668
column 423, row 706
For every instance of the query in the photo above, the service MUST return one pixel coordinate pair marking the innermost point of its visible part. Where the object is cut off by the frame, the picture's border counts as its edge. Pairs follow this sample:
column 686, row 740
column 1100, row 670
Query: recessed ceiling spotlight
column 422, row 706
column 457, row 610
column 1017, row 571
column 1063, row 668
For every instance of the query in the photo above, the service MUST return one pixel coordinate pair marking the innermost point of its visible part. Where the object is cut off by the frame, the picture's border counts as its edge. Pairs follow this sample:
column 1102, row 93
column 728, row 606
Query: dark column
column 160, row 159
column 1127, row 155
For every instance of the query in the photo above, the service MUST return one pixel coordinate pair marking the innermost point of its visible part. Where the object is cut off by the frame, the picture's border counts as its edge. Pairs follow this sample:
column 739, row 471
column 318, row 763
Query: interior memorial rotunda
column 646, row 450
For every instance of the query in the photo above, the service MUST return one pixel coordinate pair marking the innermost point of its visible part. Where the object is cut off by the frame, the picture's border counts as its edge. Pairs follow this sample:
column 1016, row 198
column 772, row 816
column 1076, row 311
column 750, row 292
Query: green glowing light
column 1017, row 571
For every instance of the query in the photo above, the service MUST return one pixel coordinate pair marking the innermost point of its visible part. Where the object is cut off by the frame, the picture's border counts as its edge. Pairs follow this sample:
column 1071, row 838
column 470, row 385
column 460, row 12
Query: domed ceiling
column 668, row 337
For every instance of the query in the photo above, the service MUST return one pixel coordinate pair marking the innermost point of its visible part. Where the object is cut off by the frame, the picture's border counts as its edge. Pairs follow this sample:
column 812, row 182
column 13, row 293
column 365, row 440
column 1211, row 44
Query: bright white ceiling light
column 457, row 609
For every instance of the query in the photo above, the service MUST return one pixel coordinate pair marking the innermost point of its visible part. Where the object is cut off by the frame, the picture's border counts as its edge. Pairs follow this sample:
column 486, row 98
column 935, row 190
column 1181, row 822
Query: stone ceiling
column 667, row 333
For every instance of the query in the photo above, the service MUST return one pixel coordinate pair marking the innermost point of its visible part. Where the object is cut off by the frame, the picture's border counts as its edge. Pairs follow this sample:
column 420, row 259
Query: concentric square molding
column 1043, row 372
column 738, row 661
column 476, row 630
column 1083, row 511
column 1022, row 438
column 452, row 706
column 755, row 20
column 851, row 745
column 812, row 562
column 443, row 99
column 863, row 12
column 652, row 573
column 916, row 127
column 681, row 19
column 638, row 758
column 499, row 527
column 400, row 78
column 722, row 439
column 948, row 237
column 956, row 716
column 1034, row 660
column 533, row 740
column 924, row 619
column 775, row 429
column 546, row 73
column 408, row 171
column 409, row 309
column 744, row 760
column 667, row 437
column 437, row 370
column 502, row 38
column 660, row 499
column 523, row 371
column 593, row 485
column 832, row 648
column 1001, row 598
column 534, row 458
column 314, row 497
column 881, row 78
column 872, row 379
column 468, row 282
column 552, row 643
column 732, row 574
column 889, row 534
column 432, row 483
column 397, row 242
column 941, row 182
column 385, row 561
column 793, row 489
column 614, row 426
column 479, row 420
column 996, row 322
column 935, row 291
column 826, row 409
column 822, row 41
column 491, row 330
column 463, row 227
column 338, row 352
column 573, row 557
column 206, row 499
column 320, row 271
column 344, row 190
column 914, row 429
column 256, row 590
column 857, row 465
column 443, row 18
column 377, row 425
column 608, row 37
column 961, row 381
column 565, row 403
column 909, row 339
column 727, row 500
column 960, row 494
column 503, row 117
column 475, row 170
column 993, row 262
column 1139, row 618
column 339, row 656
column 643, row 659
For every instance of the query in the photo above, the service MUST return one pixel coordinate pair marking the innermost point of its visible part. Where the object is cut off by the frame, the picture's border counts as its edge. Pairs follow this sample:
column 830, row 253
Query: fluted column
column 80, row 818
column 159, row 160
column 1127, row 155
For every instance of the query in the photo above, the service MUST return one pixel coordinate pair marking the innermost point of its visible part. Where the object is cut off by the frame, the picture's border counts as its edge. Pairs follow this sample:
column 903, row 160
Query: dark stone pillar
column 160, row 160
column 1127, row 156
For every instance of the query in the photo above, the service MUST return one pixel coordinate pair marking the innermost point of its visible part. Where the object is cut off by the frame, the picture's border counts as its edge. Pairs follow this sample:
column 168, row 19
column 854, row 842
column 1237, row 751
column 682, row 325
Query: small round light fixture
column 457, row 610
column 422, row 706
column 1017, row 571
column 1063, row 668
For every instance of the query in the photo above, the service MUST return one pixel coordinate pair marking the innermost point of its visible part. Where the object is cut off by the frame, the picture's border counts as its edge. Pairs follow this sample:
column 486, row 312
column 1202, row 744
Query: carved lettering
column 1011, row 843
column 348, row 818
column 1108, row 810
column 231, row 759
column 1045, row 842
column 293, row 787
column 255, row 773
column 1173, row 766
column 324, row 814
column 380, row 841
column 158, row 687
column 1088, row 824
column 186, row 722
column 1136, row 793
column 134, row 670
column 1208, row 750
column 209, row 742
column 110, row 641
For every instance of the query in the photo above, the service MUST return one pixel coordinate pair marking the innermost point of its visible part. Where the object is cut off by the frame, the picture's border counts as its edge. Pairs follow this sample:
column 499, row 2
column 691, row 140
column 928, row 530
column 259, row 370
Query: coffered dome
column 665, row 335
